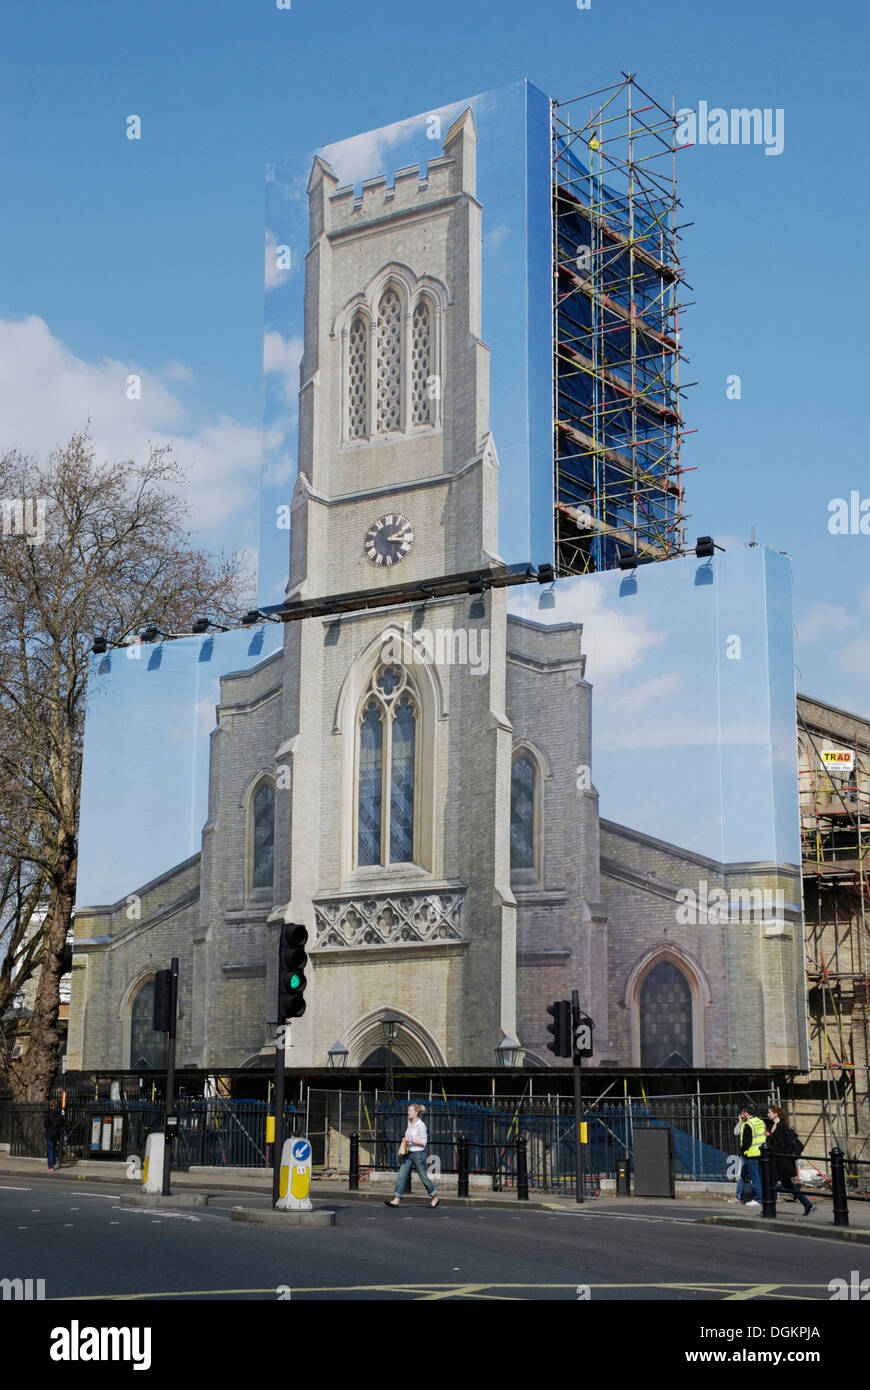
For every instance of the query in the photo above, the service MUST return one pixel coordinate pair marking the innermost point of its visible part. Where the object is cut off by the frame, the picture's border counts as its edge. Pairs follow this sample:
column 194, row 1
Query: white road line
column 105, row 1196
column 14, row 1189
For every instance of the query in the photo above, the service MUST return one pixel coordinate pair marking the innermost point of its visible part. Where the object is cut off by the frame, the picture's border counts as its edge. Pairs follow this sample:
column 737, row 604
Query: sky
column 145, row 257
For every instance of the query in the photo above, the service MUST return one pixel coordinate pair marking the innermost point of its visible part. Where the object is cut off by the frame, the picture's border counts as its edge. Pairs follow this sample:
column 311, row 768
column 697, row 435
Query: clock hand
column 401, row 536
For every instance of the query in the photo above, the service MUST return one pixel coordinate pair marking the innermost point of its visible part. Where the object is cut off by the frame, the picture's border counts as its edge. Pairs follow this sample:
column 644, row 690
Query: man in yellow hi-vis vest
column 752, row 1136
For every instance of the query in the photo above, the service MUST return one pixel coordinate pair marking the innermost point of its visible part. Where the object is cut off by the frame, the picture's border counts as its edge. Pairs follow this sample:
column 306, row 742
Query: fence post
column 768, row 1191
column 353, row 1167
column 838, row 1187
column 522, row 1170
column 461, row 1165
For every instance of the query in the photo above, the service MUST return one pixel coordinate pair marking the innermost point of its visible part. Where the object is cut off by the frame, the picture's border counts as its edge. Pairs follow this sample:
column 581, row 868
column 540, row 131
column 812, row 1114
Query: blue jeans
column 50, row 1145
column 414, row 1160
column 752, row 1168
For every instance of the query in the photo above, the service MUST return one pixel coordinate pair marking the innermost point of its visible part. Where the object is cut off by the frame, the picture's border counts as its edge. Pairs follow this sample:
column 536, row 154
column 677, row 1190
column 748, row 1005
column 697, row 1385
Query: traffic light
column 162, row 1017
column 560, row 1028
column 292, row 961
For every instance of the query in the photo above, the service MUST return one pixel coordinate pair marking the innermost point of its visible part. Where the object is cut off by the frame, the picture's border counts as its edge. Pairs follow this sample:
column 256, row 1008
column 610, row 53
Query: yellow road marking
column 440, row 1291
column 754, row 1292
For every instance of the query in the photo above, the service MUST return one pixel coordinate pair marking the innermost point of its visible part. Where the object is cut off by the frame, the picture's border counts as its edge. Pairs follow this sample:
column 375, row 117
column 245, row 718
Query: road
column 78, row 1238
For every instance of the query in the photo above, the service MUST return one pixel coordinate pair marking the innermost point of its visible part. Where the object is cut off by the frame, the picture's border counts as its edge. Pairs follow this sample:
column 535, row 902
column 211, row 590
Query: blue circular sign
column 301, row 1150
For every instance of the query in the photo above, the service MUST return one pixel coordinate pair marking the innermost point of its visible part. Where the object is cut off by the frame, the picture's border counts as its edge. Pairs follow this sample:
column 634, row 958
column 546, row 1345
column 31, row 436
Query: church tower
column 397, row 468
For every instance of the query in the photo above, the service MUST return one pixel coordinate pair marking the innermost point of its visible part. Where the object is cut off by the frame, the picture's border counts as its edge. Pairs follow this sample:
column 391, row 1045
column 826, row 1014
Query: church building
column 403, row 780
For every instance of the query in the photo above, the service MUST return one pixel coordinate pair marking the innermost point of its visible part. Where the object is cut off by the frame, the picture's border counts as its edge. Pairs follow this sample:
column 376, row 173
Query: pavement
column 707, row 1208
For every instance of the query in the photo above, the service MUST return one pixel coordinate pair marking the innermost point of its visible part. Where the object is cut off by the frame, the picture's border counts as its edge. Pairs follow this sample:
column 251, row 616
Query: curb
column 857, row 1236
column 318, row 1217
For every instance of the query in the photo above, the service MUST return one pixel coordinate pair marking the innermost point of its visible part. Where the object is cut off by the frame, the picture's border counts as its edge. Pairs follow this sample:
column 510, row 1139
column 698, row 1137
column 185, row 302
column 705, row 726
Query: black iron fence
column 705, row 1143
column 211, row 1131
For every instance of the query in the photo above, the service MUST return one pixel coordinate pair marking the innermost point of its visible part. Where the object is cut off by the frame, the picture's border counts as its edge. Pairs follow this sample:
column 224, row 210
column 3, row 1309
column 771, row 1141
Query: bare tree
column 88, row 549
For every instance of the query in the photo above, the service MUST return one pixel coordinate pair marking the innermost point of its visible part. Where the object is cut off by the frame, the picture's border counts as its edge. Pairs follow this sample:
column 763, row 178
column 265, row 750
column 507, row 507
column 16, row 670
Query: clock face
column 388, row 540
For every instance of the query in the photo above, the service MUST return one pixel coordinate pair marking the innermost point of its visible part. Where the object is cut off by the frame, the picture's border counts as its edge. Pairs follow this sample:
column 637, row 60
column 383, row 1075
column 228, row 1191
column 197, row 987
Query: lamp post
column 509, row 1053
column 337, row 1057
column 391, row 1024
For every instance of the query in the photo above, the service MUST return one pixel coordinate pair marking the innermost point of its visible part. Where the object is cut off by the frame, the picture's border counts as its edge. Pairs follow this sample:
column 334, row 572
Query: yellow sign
column 584, row 1132
column 841, row 758
column 270, row 1129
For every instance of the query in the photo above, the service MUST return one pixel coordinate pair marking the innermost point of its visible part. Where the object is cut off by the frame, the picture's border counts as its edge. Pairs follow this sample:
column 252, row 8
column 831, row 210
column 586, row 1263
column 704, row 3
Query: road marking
column 103, row 1196
column 754, row 1292
column 445, row 1290
column 14, row 1189
column 164, row 1215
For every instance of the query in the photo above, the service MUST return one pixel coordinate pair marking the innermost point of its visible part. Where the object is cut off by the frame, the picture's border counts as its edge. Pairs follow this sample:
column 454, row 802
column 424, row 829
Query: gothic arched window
column 358, row 378
column 421, row 362
column 387, row 776
column 263, row 836
column 147, row 1048
column 389, row 347
column 665, row 1018
column 523, row 778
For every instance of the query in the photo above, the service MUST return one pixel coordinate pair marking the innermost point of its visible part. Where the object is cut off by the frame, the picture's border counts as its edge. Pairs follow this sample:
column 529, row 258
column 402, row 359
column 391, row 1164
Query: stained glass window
column 387, row 754
column 264, row 836
column 665, row 1018
column 371, row 759
column 402, row 799
column 522, row 814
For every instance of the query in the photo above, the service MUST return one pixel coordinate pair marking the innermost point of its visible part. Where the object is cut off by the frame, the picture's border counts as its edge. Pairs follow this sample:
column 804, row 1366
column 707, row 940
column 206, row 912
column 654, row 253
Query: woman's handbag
column 403, row 1148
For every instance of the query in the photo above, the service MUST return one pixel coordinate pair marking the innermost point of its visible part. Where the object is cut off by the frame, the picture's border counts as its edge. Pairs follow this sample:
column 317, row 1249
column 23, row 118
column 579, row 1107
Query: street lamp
column 391, row 1024
column 509, row 1053
column 337, row 1056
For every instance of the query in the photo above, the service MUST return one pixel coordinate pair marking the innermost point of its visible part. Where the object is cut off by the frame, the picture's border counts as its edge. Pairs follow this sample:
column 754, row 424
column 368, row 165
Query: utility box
column 623, row 1177
column 653, row 1162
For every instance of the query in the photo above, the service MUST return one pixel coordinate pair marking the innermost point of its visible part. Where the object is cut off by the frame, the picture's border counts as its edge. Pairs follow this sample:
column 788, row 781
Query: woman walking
column 414, row 1151
column 784, row 1146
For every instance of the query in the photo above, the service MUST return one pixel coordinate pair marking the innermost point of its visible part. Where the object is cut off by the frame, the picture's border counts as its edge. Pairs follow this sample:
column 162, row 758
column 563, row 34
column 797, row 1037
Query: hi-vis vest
column 758, row 1137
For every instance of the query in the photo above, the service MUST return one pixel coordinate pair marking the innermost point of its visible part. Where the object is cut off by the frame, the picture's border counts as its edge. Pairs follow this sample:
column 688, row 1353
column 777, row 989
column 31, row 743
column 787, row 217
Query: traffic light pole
column 170, row 1076
column 578, row 1095
column 278, row 1092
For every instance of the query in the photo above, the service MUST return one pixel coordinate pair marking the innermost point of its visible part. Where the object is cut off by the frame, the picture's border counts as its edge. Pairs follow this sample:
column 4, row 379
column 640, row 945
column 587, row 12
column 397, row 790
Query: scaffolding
column 835, row 845
column 618, row 284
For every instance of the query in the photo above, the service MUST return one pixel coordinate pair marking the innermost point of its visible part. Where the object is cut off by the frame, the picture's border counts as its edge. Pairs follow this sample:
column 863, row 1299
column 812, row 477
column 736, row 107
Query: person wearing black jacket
column 53, row 1132
column 783, row 1144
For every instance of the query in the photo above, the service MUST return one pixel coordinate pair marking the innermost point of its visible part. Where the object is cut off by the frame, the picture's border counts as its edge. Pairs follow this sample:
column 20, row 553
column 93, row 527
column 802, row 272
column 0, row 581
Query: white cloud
column 46, row 393
column 613, row 640
column 637, row 699
column 494, row 239
column 823, row 619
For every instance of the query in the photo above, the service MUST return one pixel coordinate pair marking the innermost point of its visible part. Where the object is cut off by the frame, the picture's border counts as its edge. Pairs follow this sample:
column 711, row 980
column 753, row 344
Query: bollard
column 522, row 1171
column 462, row 1165
column 768, row 1189
column 838, row 1187
column 353, row 1169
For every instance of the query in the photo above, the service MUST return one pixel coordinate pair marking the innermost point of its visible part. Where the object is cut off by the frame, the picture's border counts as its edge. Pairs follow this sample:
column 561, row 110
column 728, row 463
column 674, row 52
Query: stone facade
column 464, row 944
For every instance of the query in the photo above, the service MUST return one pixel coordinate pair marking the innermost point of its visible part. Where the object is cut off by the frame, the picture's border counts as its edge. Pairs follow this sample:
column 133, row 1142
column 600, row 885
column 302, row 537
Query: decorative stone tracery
column 395, row 919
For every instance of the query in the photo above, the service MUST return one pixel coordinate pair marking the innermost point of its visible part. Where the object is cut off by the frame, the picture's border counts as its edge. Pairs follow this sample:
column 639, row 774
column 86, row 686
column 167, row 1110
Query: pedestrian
column 413, row 1150
column 53, row 1131
column 752, row 1136
column 785, row 1148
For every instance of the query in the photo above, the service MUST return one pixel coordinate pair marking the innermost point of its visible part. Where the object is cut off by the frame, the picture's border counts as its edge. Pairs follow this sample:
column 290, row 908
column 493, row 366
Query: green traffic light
column 294, row 981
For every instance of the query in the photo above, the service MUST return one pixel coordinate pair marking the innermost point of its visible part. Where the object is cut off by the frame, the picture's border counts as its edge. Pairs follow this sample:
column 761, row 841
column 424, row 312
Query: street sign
column 295, row 1180
column 583, row 1040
